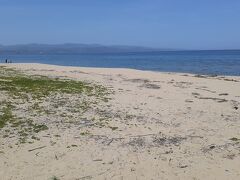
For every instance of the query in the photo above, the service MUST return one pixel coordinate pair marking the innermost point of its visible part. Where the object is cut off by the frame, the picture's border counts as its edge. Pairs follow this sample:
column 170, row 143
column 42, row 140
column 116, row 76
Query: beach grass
column 33, row 91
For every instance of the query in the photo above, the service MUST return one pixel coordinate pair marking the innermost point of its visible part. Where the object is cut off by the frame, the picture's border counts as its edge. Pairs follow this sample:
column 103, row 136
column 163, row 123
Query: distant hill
column 72, row 49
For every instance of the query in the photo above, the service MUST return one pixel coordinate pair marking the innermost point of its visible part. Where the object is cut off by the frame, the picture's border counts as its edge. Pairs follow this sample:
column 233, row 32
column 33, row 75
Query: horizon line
column 121, row 45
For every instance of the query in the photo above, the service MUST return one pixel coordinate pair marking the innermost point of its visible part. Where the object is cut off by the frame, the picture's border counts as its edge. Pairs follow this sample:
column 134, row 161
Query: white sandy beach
column 159, row 126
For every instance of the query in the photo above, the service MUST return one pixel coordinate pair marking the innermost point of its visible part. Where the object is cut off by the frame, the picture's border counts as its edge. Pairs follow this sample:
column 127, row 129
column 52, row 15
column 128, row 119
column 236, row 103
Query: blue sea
column 225, row 62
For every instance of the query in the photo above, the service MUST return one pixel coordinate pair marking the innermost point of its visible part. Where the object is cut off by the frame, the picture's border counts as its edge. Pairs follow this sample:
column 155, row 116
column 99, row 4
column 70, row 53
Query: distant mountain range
column 72, row 49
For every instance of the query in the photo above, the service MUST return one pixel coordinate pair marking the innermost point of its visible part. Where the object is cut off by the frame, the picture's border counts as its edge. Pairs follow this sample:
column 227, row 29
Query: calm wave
column 199, row 62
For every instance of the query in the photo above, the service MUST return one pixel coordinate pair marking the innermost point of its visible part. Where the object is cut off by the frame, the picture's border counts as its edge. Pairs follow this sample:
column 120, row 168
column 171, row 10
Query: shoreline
column 106, row 68
column 107, row 123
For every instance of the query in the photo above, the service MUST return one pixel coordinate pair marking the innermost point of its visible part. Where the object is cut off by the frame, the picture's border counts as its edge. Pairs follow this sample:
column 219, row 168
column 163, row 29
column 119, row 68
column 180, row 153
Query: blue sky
column 184, row 24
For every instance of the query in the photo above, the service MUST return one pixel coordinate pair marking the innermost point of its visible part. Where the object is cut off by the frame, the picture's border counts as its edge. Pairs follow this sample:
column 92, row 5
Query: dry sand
column 163, row 126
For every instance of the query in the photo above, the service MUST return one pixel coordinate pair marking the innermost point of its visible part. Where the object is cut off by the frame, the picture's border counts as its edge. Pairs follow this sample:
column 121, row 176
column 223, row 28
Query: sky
column 177, row 24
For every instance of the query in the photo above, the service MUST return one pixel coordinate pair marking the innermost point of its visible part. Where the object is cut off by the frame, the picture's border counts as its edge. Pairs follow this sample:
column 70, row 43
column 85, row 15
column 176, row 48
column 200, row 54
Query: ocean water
column 225, row 62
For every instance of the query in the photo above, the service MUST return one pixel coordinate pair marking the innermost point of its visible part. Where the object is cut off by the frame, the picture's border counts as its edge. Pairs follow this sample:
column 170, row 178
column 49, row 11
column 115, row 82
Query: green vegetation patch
column 38, row 88
column 54, row 178
column 235, row 139
column 33, row 91
column 6, row 115
column 113, row 128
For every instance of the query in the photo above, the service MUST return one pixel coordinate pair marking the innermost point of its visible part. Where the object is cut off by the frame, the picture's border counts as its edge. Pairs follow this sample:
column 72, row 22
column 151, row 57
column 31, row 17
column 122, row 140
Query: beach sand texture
column 150, row 125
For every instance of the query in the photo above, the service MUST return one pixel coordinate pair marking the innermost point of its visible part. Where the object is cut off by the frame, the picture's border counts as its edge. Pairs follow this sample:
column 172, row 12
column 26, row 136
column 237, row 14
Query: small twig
column 86, row 177
column 110, row 142
column 46, row 136
column 195, row 136
column 143, row 135
column 103, row 172
column 37, row 148
column 96, row 135
column 113, row 140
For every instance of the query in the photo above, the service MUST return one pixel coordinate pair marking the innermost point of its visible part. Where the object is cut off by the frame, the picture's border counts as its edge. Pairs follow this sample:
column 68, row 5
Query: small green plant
column 6, row 115
column 39, row 127
column 84, row 133
column 55, row 178
column 234, row 139
column 113, row 128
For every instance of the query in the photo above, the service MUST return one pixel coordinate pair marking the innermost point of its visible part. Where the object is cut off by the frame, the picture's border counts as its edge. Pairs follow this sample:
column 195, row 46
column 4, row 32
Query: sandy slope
column 169, row 126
